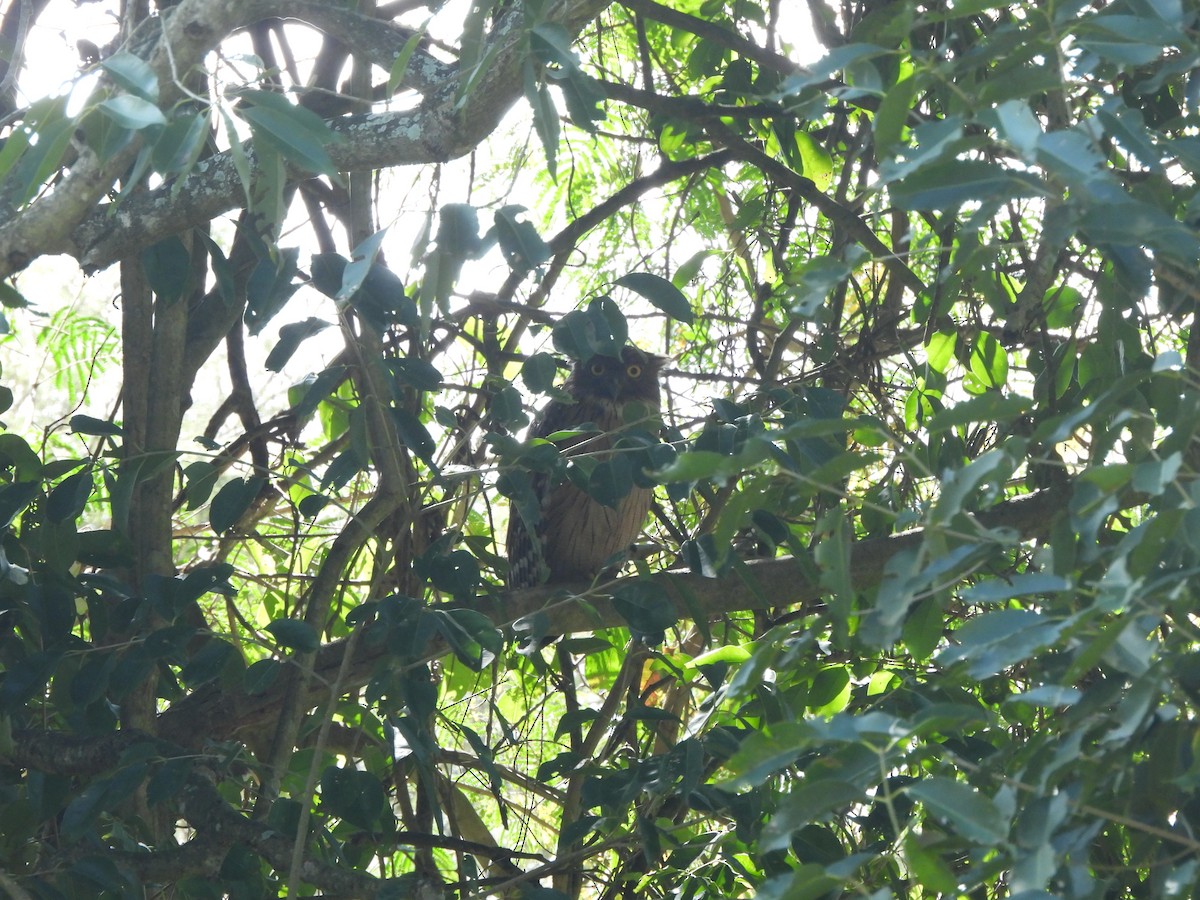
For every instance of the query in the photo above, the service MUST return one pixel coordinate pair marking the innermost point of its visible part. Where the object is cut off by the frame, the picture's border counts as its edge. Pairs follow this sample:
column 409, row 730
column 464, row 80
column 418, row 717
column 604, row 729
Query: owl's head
column 632, row 377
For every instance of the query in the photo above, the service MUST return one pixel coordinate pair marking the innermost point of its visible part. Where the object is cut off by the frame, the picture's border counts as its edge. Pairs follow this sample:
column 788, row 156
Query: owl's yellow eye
column 634, row 371
column 597, row 368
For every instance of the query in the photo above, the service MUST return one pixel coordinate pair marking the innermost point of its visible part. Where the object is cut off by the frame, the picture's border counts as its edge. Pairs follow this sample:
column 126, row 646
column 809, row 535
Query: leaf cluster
column 913, row 612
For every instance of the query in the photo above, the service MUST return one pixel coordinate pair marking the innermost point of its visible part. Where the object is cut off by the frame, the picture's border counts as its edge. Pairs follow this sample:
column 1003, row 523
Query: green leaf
column 237, row 153
column 213, row 659
column 16, row 453
column 611, row 480
column 694, row 465
column 807, row 881
column 295, row 635
column 312, row 390
column 355, row 796
column 996, row 640
column 545, row 123
column 221, row 270
column 585, row 97
column 764, row 753
column 133, row 74
column 362, row 259
column 271, row 284
column 940, row 350
column 416, row 373
column 989, row 361
column 830, row 683
column 650, row 714
column 290, row 338
column 457, row 240
column 817, row 163
column 599, row 329
column 99, row 798
column 471, row 635
column 1153, row 476
column 169, row 780
column 70, row 496
column 132, row 112
column 647, row 609
column 260, row 676
column 81, row 424
column 1023, row 584
column 810, row 802
column 892, row 115
column 971, row 814
column 924, row 627
column 42, row 159
column 297, row 133
column 690, row 268
column 990, row 407
column 105, row 549
column 232, row 501
column 574, row 719
column 948, row 185
column 10, row 298
column 991, row 467
column 552, row 43
column 538, row 372
column 178, row 147
column 456, row 572
column 522, row 246
column 1019, row 128
column 414, row 435
column 661, row 293
column 400, row 65
column 928, row 868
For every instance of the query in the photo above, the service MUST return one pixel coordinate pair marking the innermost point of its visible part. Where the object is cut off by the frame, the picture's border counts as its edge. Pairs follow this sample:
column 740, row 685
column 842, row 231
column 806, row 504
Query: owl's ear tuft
column 653, row 362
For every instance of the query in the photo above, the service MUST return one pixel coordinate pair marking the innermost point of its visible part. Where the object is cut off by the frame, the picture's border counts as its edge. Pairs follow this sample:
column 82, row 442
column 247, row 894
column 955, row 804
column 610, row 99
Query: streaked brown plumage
column 575, row 535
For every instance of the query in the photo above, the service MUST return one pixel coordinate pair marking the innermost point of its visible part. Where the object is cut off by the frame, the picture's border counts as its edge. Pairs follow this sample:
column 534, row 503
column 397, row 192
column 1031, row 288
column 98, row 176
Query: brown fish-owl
column 575, row 535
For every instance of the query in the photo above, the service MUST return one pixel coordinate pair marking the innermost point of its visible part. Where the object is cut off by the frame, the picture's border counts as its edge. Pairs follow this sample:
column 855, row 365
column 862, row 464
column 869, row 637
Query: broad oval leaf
column 232, row 500
column 133, row 74
column 133, row 112
column 81, row 424
column 294, row 634
column 538, row 372
column 974, row 816
column 661, row 293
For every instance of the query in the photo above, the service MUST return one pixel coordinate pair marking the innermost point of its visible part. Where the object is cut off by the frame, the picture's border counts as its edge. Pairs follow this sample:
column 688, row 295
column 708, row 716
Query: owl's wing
column 525, row 543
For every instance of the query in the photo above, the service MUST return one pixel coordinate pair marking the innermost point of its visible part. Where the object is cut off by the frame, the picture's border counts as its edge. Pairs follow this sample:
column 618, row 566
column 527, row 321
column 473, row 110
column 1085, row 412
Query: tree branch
column 715, row 34
column 213, row 714
column 446, row 126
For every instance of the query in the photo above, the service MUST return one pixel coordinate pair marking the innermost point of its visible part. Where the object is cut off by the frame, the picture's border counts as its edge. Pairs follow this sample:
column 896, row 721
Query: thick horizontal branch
column 445, row 126
column 214, row 714
column 376, row 41
column 185, row 36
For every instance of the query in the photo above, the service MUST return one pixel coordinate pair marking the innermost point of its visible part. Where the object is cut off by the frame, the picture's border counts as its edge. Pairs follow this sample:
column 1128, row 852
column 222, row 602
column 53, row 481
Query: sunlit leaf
column 132, row 112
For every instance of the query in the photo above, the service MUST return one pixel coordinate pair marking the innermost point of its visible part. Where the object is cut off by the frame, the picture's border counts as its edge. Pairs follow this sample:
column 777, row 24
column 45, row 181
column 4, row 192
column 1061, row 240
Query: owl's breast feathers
column 576, row 534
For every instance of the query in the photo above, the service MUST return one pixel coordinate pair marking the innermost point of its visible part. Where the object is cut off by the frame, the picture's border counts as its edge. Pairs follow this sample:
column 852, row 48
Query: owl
column 575, row 535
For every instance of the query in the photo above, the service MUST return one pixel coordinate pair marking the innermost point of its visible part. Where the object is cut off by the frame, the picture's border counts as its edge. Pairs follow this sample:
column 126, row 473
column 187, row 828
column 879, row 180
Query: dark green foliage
column 925, row 477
